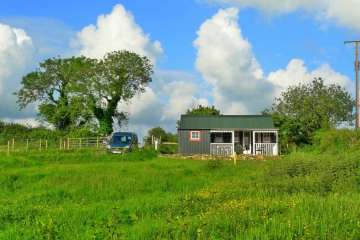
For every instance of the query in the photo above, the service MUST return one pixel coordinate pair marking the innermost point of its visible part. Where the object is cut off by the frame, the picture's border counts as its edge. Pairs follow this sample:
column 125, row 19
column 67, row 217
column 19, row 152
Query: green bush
column 332, row 164
column 337, row 141
column 168, row 149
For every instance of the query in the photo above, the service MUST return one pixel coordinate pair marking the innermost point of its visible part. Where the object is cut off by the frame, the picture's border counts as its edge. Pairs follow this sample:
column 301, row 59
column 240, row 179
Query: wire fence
column 62, row 144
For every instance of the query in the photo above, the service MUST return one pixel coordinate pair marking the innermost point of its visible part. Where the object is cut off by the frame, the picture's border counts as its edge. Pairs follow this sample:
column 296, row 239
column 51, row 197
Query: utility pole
column 357, row 103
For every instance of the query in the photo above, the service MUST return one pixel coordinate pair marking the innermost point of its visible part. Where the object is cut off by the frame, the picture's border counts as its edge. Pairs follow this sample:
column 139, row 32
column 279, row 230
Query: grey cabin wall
column 188, row 148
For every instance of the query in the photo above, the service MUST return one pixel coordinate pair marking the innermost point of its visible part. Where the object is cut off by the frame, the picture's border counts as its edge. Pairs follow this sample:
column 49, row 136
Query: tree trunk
column 106, row 116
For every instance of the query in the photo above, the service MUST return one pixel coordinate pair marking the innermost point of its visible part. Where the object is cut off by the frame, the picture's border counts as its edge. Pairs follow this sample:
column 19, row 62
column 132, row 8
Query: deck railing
column 221, row 149
column 268, row 149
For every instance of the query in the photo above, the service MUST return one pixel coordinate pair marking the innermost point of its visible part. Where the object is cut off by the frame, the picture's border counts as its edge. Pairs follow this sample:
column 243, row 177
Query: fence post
column 97, row 142
column 8, row 148
column 13, row 145
column 27, row 145
column 46, row 144
column 68, row 144
column 60, row 143
column 40, row 145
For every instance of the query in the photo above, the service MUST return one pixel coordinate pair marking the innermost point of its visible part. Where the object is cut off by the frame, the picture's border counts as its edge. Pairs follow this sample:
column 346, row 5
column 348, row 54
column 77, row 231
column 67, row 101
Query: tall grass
column 312, row 194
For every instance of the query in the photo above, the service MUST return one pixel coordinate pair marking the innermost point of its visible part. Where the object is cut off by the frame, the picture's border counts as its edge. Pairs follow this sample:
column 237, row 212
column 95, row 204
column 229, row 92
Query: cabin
column 228, row 135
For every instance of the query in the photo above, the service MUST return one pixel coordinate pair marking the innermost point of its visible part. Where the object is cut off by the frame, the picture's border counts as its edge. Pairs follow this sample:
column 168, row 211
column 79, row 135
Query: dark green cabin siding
column 188, row 148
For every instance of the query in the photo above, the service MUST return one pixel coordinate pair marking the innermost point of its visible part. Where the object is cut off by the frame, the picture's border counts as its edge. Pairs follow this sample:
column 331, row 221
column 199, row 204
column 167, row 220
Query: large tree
column 303, row 109
column 119, row 76
column 74, row 91
column 53, row 86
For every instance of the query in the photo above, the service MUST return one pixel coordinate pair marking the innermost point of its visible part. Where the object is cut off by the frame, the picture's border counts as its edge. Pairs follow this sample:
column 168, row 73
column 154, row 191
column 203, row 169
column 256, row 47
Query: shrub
column 337, row 141
column 168, row 149
column 331, row 165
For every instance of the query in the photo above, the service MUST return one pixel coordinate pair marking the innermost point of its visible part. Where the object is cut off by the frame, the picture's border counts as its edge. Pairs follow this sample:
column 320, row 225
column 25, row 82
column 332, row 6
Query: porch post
column 233, row 142
column 276, row 153
column 253, row 143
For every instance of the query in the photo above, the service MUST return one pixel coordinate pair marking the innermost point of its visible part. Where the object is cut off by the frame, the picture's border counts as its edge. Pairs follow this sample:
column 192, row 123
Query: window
column 221, row 137
column 265, row 137
column 195, row 136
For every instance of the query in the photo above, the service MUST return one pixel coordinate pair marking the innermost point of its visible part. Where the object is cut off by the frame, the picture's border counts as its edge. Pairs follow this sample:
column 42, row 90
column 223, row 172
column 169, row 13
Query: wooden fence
column 63, row 144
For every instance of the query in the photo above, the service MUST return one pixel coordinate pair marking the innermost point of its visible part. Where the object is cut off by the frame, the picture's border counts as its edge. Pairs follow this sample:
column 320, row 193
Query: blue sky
column 275, row 39
column 272, row 34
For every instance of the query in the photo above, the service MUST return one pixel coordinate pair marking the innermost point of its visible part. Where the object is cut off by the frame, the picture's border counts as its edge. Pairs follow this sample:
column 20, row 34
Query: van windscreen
column 121, row 139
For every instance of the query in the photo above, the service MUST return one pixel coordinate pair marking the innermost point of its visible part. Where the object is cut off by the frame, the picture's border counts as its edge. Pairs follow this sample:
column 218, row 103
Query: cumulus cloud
column 15, row 47
column 296, row 72
column 344, row 13
column 226, row 61
column 181, row 98
column 16, row 55
column 116, row 31
column 144, row 108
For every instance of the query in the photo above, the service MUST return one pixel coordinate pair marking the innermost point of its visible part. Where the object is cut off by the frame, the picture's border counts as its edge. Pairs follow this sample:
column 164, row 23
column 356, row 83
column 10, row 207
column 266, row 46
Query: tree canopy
column 75, row 91
column 54, row 85
column 203, row 110
column 119, row 76
column 303, row 109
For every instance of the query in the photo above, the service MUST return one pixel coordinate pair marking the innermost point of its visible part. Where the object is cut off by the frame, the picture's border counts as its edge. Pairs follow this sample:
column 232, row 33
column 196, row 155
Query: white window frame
column 196, row 139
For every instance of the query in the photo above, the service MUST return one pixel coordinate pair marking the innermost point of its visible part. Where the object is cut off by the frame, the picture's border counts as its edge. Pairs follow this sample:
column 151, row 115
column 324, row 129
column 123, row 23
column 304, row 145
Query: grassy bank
column 311, row 194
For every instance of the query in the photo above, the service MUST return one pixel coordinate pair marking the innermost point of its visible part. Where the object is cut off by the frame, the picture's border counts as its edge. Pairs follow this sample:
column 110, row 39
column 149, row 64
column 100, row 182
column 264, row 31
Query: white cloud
column 226, row 61
column 296, row 72
column 16, row 55
column 181, row 98
column 50, row 37
column 344, row 13
column 144, row 108
column 15, row 48
column 116, row 31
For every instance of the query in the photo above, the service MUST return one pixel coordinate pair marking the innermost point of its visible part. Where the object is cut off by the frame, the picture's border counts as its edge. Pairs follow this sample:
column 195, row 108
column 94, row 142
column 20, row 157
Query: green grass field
column 94, row 195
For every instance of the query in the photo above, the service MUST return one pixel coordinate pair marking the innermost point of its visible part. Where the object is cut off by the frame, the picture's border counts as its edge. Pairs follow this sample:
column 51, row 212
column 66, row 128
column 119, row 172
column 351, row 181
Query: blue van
column 122, row 141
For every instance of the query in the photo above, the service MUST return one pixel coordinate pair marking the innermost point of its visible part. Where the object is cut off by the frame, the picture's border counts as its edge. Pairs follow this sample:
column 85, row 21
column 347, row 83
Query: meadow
column 313, row 193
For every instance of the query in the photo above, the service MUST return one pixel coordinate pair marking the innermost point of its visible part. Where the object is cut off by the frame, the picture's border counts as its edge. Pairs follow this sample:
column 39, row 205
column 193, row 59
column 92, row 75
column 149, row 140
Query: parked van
column 121, row 142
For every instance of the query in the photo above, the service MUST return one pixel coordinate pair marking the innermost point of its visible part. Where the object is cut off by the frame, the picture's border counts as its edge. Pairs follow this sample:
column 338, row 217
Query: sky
column 235, row 54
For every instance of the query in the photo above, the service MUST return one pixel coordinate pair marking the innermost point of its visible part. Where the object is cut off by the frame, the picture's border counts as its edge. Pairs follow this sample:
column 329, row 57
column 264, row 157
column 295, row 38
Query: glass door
column 247, row 142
